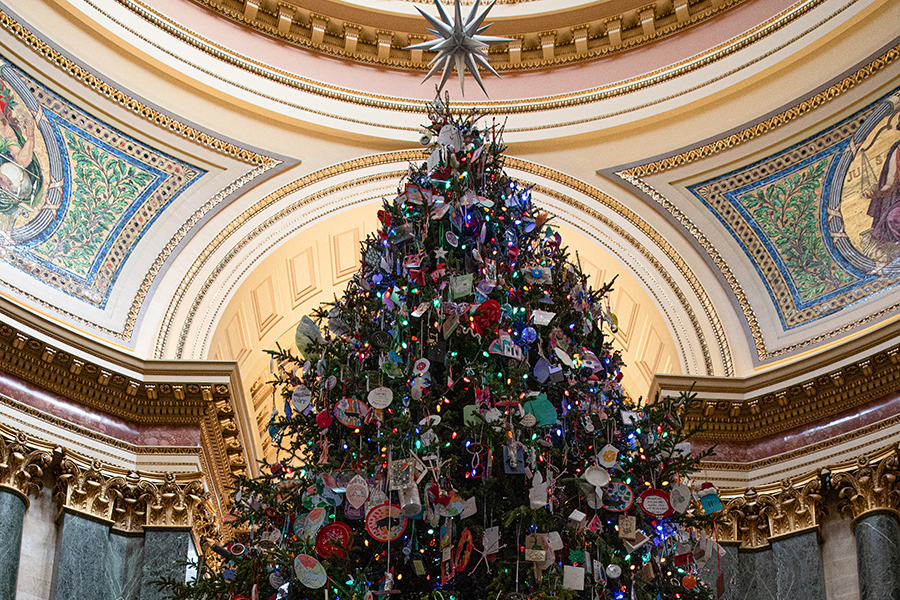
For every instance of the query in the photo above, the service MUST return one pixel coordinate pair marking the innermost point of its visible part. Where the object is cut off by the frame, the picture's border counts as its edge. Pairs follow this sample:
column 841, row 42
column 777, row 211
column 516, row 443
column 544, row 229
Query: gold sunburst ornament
column 459, row 43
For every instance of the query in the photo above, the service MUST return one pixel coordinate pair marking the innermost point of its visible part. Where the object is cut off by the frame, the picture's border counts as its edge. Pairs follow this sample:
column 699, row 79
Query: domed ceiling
column 206, row 169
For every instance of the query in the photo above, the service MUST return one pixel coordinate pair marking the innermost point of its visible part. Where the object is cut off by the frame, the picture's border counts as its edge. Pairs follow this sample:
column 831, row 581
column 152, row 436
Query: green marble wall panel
column 878, row 556
column 124, row 563
column 12, row 514
column 755, row 576
column 799, row 570
column 165, row 552
column 80, row 570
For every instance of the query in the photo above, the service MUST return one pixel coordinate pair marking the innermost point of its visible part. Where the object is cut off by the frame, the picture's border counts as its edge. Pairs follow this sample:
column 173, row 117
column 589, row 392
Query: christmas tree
column 454, row 427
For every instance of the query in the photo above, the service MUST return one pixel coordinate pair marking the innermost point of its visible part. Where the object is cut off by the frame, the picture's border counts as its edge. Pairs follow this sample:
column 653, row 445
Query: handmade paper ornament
column 537, row 495
column 307, row 334
column 613, row 571
column 380, row 397
column 709, row 498
column 538, row 275
column 310, row 571
column 333, row 538
column 680, row 497
column 596, row 524
column 577, row 516
column 573, row 578
column 542, row 317
column 627, row 527
column 461, row 286
column 469, row 508
column 655, row 503
column 528, row 421
column 504, row 346
column 314, row 521
column 385, row 522
column 542, row 409
column 618, row 497
column 351, row 412
column 382, row 339
column 542, row 369
column 491, row 541
column 301, row 398
column 534, row 548
column 640, row 538
column 514, row 459
column 608, row 456
column 463, row 551
column 357, row 492
column 596, row 476
column 486, row 316
column 410, row 504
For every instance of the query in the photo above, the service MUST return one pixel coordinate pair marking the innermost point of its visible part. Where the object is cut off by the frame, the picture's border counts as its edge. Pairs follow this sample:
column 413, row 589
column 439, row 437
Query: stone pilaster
column 870, row 492
column 21, row 473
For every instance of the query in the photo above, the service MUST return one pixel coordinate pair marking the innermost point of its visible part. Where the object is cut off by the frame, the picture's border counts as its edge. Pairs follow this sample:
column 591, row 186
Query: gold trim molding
column 791, row 398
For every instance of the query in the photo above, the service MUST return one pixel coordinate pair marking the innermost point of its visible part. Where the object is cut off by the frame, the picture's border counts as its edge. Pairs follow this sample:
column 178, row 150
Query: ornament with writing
column 334, row 538
column 680, row 497
column 655, row 503
column 627, row 527
column 709, row 498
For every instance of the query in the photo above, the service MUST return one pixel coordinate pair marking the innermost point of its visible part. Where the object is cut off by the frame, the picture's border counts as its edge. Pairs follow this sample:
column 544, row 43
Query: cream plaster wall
column 38, row 546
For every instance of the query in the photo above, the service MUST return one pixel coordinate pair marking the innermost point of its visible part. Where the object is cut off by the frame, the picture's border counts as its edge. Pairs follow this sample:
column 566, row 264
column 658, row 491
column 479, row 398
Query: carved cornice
column 871, row 485
column 21, row 467
column 180, row 393
column 289, row 20
column 789, row 397
column 129, row 501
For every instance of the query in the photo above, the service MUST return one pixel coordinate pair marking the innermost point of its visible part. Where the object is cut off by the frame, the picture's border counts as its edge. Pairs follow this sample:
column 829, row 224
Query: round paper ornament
column 382, row 339
column 528, row 421
column 310, row 572
column 331, row 382
column 608, row 455
column 334, row 538
column 680, row 497
column 351, row 412
column 276, row 580
column 594, row 498
column 655, row 503
column 563, row 357
column 613, row 571
column 301, row 397
column 618, row 497
column 385, row 523
column 381, row 397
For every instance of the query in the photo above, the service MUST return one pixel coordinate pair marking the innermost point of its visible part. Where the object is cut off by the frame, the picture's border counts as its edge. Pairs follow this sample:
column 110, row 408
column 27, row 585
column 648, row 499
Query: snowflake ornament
column 459, row 43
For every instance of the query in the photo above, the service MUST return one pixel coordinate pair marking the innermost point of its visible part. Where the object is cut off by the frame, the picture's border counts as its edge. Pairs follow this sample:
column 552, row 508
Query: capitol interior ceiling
column 184, row 179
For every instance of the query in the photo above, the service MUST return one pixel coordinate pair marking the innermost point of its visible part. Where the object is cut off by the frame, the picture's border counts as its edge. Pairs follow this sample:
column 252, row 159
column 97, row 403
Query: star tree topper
column 459, row 43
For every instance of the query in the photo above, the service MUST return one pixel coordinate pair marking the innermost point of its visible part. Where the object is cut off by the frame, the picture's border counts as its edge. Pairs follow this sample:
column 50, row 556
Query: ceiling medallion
column 459, row 43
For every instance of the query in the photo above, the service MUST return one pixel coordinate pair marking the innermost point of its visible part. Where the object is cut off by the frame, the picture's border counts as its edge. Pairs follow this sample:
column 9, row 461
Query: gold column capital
column 128, row 500
column 21, row 466
column 870, row 485
column 797, row 507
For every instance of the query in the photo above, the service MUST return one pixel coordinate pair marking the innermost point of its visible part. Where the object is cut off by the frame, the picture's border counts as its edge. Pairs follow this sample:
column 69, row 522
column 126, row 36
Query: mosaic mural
column 76, row 195
column 820, row 220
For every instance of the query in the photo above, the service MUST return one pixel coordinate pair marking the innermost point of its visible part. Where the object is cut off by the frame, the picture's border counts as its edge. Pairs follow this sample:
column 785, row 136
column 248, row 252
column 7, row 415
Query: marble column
column 799, row 570
column 754, row 578
column 878, row 555
column 728, row 567
column 12, row 514
column 80, row 569
column 165, row 552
